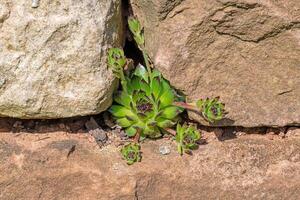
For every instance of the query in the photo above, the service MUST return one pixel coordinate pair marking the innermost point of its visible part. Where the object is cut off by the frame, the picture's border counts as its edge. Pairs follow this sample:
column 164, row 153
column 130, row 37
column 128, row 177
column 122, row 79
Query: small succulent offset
column 147, row 106
column 116, row 62
column 212, row 109
column 137, row 31
column 186, row 138
column 131, row 153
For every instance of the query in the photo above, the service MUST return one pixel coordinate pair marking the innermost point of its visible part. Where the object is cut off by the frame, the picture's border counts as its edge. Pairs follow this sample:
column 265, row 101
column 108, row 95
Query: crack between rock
column 285, row 92
column 131, row 50
column 136, row 195
column 274, row 33
column 236, row 5
column 167, row 12
column 176, row 12
column 5, row 17
column 245, row 6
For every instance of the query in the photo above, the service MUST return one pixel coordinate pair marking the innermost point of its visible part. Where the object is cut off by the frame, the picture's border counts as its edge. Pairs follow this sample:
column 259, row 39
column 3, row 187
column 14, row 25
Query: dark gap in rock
column 131, row 49
column 126, row 6
column 133, row 52
column 104, row 120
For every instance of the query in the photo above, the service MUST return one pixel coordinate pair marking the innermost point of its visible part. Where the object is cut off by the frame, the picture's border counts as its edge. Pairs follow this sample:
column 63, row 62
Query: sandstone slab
column 53, row 57
column 245, row 51
column 61, row 166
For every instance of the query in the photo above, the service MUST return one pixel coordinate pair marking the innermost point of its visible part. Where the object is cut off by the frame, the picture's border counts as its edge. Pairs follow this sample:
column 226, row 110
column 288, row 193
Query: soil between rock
column 47, row 166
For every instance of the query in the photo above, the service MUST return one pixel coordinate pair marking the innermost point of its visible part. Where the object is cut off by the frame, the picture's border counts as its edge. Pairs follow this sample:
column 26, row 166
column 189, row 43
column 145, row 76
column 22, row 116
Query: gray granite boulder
column 53, row 57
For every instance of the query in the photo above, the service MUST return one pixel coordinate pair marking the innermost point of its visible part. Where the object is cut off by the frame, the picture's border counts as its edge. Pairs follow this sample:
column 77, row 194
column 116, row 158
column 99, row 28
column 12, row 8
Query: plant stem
column 137, row 136
column 171, row 131
column 186, row 106
column 146, row 59
column 123, row 81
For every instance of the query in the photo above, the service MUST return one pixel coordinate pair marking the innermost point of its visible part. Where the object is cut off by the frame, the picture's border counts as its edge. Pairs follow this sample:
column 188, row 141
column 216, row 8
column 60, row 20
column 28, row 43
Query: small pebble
column 30, row 124
column 108, row 120
column 18, row 124
column 164, row 150
column 2, row 81
column 282, row 135
column 293, row 131
column 35, row 3
column 61, row 126
column 99, row 135
column 239, row 133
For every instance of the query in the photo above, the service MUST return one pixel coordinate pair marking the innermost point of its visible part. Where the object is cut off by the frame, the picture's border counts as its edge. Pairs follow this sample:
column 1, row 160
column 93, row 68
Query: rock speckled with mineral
column 53, row 57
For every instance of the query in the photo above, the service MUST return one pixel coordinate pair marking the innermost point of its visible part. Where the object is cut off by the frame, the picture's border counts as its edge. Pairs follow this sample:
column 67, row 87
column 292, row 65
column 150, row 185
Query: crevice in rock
column 273, row 33
column 243, row 7
column 285, row 92
column 126, row 8
column 169, row 7
column 133, row 52
column 131, row 49
column 78, row 125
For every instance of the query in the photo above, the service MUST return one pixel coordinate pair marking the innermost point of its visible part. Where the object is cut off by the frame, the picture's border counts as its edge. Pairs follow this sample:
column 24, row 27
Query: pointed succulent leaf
column 165, row 85
column 166, row 99
column 135, row 84
column 123, row 98
column 120, row 111
column 136, row 29
column 156, row 87
column 152, row 132
column 134, row 25
column 146, row 88
column 199, row 103
column 179, row 133
column 140, row 125
column 124, row 122
column 152, row 123
column 141, row 72
column 170, row 112
column 180, row 149
column 164, row 123
column 130, row 132
column 155, row 73
column 139, row 96
column 139, row 39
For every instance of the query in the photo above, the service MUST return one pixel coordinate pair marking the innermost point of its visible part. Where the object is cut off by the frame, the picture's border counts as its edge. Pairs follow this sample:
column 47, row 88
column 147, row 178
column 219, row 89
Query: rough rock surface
column 246, row 51
column 60, row 166
column 53, row 57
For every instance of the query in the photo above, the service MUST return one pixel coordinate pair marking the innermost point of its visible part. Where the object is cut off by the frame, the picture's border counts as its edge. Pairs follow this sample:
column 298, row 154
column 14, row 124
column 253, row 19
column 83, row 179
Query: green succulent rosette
column 212, row 109
column 186, row 138
column 147, row 105
column 131, row 153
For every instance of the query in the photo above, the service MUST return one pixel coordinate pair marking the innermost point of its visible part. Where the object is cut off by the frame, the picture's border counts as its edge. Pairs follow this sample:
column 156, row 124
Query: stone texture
column 48, row 166
column 53, row 57
column 245, row 51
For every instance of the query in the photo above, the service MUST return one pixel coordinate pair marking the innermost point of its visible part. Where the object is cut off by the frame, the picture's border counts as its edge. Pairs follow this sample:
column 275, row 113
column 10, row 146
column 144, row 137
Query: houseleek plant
column 147, row 106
